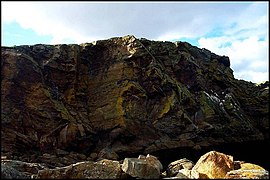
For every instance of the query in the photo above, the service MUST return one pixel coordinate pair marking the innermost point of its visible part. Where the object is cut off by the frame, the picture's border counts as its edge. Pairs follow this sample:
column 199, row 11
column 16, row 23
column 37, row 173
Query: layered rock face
column 125, row 95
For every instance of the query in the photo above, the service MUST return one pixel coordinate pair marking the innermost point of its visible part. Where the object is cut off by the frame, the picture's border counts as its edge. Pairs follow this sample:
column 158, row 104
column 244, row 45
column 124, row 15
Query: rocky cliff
column 124, row 95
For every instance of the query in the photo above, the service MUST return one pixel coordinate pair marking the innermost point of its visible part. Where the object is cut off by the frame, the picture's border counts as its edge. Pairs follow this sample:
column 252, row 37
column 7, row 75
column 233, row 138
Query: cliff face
column 127, row 95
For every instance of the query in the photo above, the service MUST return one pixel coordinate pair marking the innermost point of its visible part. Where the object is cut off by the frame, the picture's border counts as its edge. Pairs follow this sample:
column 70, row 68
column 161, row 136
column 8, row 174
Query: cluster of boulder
column 211, row 165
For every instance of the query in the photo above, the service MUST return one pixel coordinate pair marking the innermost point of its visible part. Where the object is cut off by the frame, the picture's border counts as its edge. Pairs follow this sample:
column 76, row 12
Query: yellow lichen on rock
column 250, row 166
column 119, row 108
column 167, row 105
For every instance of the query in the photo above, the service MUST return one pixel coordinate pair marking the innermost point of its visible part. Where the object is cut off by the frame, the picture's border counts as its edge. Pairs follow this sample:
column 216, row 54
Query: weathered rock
column 93, row 156
column 152, row 160
column 107, row 153
column 61, row 152
column 13, row 169
column 62, row 160
column 250, row 166
column 247, row 174
column 8, row 172
column 132, row 95
column 104, row 169
column 248, row 171
column 174, row 167
column 214, row 165
column 187, row 174
column 147, row 167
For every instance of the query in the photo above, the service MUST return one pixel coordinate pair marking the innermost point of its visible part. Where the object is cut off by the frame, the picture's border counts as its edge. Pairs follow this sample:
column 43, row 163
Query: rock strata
column 123, row 96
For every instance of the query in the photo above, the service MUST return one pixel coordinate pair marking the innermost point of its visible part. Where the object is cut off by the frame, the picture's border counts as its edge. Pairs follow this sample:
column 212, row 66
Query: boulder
column 9, row 172
column 187, row 174
column 143, row 167
column 250, row 166
column 104, row 169
column 152, row 160
column 247, row 174
column 107, row 153
column 248, row 171
column 14, row 169
column 174, row 167
column 214, row 165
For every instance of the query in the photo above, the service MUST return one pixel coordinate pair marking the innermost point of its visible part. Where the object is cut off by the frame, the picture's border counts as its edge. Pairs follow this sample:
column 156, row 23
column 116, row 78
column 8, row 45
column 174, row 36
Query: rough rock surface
column 188, row 174
column 213, row 165
column 174, row 167
column 12, row 169
column 8, row 172
column 104, row 169
column 142, row 167
column 248, row 171
column 247, row 174
column 123, row 95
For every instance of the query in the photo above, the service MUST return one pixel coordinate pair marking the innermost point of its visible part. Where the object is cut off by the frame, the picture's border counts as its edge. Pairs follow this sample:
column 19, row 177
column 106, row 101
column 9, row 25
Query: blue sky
column 239, row 30
column 14, row 34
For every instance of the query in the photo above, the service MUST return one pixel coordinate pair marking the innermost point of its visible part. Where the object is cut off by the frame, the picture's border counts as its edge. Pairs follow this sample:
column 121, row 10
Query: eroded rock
column 174, row 167
column 13, row 169
column 247, row 174
column 187, row 174
column 248, row 171
column 214, row 165
column 104, row 169
column 143, row 167
column 131, row 95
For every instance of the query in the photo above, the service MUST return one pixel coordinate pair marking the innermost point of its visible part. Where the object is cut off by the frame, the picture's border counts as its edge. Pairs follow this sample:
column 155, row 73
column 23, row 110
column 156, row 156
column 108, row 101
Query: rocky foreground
column 212, row 165
column 122, row 97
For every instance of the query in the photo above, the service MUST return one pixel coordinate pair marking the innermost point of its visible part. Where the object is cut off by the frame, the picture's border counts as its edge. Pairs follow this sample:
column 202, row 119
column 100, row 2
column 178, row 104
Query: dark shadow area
column 255, row 152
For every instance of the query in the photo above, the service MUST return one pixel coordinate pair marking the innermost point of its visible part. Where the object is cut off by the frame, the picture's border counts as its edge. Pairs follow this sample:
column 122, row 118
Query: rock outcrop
column 143, row 167
column 121, row 96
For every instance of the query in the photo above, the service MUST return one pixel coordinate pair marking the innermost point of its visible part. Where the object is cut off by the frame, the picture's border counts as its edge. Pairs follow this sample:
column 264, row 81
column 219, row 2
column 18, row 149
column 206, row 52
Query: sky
column 239, row 30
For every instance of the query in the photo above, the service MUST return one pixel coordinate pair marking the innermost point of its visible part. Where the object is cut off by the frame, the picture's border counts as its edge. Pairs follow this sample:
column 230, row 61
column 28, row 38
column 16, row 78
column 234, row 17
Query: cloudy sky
column 236, row 29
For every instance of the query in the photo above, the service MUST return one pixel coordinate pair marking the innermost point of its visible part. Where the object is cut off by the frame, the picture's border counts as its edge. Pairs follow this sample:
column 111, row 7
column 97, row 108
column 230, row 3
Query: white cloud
column 246, row 43
column 253, row 76
column 101, row 20
column 44, row 19
column 249, row 55
column 243, row 25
